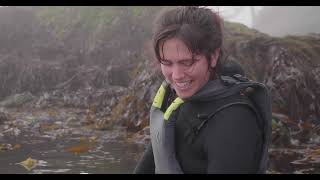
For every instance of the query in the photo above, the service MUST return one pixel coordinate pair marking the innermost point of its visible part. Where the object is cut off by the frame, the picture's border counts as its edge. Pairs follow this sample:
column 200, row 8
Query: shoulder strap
column 204, row 115
column 210, row 116
column 195, row 130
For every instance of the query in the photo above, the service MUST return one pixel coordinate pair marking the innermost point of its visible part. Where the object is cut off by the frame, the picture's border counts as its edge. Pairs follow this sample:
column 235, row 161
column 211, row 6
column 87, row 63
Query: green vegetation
column 63, row 20
column 240, row 29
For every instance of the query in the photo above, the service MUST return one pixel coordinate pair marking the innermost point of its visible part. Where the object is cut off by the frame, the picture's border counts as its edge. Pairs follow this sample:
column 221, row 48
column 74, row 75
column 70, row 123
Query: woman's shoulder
column 233, row 125
column 234, row 118
column 240, row 110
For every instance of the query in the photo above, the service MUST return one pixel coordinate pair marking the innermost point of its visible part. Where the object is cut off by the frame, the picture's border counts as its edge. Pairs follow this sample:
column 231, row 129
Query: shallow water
column 62, row 147
column 108, row 157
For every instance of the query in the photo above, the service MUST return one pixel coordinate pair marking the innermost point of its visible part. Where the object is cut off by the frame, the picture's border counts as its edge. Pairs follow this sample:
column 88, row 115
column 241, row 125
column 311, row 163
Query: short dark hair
column 198, row 27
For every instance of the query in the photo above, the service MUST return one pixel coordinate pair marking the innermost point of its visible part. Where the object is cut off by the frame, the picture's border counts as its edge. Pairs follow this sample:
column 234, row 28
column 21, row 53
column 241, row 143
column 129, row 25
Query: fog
column 239, row 14
column 274, row 20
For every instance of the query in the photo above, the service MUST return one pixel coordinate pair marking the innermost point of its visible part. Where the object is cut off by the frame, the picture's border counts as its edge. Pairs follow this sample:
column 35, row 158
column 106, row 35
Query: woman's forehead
column 174, row 48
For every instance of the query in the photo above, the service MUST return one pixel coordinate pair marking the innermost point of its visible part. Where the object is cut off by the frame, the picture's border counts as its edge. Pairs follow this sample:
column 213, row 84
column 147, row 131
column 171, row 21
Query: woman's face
column 185, row 75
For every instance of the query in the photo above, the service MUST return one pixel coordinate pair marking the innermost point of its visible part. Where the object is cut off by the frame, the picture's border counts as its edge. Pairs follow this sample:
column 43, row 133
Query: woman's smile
column 187, row 73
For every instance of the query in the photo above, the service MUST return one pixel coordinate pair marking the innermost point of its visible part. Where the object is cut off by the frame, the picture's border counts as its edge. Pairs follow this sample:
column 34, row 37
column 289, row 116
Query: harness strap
column 210, row 116
column 195, row 130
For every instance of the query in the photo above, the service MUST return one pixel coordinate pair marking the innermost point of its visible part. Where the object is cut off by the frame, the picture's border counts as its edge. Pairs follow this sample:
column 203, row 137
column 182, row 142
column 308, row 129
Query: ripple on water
column 41, row 171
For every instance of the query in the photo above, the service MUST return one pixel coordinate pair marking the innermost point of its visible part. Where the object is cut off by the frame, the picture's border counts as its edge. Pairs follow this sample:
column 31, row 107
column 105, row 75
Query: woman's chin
column 184, row 94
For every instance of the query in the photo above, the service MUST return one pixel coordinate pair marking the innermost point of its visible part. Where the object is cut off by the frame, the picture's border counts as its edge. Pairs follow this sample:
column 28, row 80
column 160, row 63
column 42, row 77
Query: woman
column 201, row 121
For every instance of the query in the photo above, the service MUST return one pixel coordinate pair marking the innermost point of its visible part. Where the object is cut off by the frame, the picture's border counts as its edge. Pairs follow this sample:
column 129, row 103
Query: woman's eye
column 187, row 63
column 165, row 62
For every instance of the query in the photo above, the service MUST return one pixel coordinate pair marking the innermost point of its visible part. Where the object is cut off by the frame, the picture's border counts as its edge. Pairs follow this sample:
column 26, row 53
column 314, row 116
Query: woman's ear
column 214, row 57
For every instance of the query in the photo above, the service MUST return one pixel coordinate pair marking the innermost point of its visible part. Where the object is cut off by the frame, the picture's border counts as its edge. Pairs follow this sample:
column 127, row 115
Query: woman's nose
column 177, row 72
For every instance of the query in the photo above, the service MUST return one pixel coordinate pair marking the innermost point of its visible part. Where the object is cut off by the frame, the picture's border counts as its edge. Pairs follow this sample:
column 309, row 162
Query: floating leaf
column 306, row 125
column 49, row 127
column 2, row 147
column 83, row 139
column 29, row 163
column 83, row 148
column 93, row 109
column 313, row 153
column 52, row 113
column 5, row 147
column 274, row 124
column 93, row 139
column 16, row 146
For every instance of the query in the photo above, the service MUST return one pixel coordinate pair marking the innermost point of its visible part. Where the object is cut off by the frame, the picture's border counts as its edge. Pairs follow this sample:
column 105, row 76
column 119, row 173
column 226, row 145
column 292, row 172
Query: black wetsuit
column 231, row 142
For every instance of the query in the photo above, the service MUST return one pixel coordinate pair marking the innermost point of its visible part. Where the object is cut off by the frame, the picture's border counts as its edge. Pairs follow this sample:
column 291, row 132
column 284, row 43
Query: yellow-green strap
column 158, row 99
column 174, row 105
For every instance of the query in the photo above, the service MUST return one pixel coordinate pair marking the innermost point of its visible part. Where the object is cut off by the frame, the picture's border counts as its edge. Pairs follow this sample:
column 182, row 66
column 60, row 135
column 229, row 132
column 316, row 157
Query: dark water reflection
column 106, row 157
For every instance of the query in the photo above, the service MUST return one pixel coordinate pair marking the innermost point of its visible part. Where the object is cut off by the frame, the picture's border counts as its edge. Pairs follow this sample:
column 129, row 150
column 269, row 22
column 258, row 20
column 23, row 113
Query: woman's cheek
column 166, row 72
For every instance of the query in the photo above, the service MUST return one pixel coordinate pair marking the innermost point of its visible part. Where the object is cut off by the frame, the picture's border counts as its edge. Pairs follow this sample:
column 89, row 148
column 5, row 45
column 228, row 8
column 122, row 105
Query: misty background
column 274, row 20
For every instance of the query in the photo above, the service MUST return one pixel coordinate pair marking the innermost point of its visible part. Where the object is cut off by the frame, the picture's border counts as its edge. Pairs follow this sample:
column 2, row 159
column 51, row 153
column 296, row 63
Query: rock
column 14, row 131
column 17, row 100
column 118, row 76
column 294, row 87
column 5, row 147
column 141, row 137
column 3, row 117
column 104, row 124
column 73, row 121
